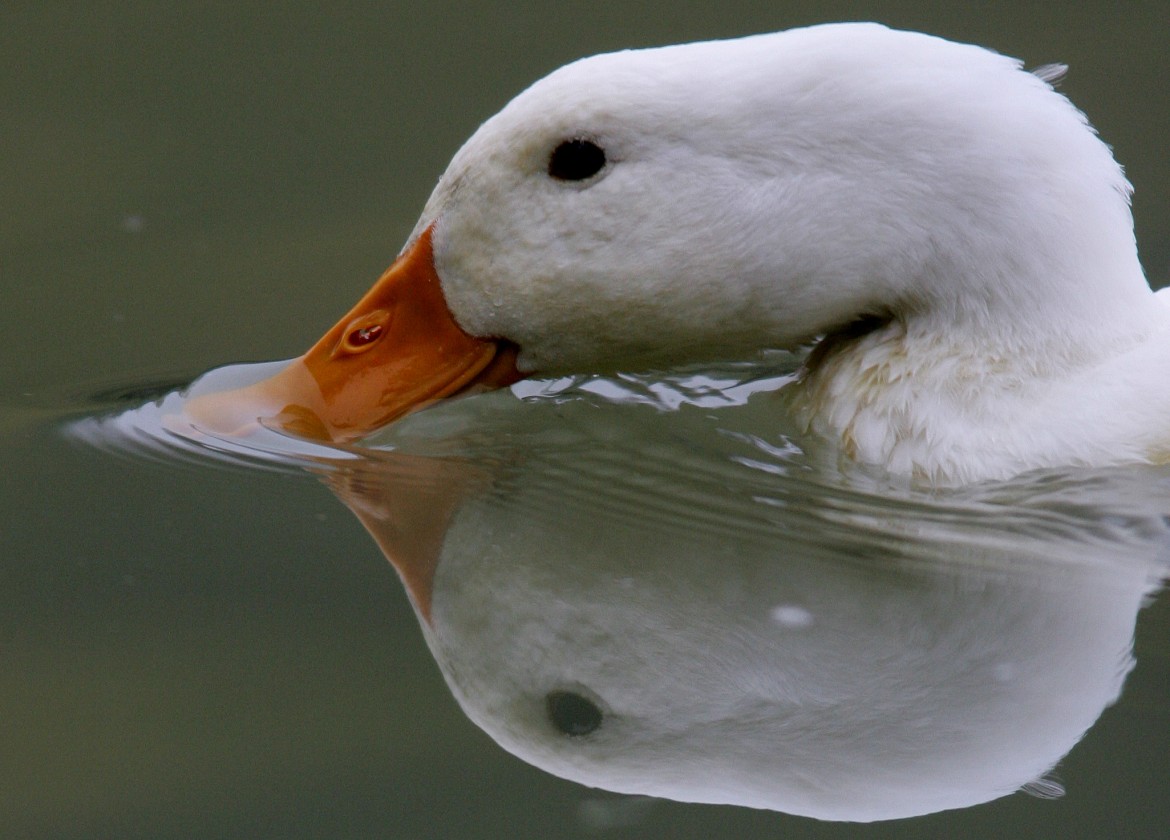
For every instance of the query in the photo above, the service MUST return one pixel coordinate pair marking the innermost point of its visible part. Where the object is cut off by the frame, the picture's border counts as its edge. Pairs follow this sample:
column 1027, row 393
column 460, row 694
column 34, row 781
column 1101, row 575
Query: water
column 753, row 624
column 210, row 644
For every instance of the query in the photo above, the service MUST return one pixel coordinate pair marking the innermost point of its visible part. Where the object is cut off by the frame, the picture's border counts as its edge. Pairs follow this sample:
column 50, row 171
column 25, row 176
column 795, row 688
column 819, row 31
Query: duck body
column 782, row 189
column 940, row 410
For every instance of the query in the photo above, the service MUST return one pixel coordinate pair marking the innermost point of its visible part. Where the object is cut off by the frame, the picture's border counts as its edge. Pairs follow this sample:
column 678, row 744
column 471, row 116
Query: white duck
column 948, row 224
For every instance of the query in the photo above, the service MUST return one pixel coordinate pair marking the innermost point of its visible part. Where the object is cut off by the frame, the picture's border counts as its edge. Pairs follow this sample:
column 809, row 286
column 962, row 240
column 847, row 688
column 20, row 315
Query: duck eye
column 576, row 160
column 572, row 714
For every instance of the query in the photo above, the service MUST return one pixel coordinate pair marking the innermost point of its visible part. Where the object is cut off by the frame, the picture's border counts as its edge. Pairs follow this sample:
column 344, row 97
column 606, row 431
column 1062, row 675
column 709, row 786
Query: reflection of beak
column 407, row 502
column 397, row 350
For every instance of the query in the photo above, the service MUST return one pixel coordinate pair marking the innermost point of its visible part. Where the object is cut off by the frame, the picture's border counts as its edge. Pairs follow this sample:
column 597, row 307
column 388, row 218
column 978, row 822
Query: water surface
column 215, row 647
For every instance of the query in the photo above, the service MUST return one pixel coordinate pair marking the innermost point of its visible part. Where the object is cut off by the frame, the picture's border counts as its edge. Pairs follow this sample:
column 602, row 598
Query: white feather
column 764, row 191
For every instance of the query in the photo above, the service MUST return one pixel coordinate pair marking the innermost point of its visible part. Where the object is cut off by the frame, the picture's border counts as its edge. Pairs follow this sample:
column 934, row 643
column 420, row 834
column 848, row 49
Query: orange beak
column 398, row 350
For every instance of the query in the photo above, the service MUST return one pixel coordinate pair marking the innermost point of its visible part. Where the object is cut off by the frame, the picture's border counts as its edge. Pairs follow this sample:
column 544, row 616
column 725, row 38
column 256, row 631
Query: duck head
column 705, row 201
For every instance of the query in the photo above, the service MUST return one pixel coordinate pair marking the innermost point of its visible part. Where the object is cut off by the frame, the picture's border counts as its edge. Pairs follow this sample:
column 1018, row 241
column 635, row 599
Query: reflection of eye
column 572, row 714
column 576, row 160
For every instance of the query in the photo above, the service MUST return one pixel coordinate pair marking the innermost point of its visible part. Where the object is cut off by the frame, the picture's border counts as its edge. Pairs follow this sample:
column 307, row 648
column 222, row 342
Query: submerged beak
column 399, row 349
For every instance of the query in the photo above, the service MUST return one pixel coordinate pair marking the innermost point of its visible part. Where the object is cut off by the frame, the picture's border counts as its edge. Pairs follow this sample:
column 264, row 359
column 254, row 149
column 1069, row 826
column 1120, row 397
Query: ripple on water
column 708, row 450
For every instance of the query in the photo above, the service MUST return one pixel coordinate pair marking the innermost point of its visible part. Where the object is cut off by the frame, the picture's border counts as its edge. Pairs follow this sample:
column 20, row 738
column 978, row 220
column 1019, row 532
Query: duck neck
column 935, row 391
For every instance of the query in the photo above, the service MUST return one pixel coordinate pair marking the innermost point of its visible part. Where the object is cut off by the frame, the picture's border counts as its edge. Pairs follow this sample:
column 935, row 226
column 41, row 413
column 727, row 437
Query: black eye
column 576, row 160
column 572, row 714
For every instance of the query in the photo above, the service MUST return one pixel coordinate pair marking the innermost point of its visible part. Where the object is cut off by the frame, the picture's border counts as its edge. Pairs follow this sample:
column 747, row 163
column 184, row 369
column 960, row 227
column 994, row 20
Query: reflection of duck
column 659, row 602
column 951, row 224
column 758, row 663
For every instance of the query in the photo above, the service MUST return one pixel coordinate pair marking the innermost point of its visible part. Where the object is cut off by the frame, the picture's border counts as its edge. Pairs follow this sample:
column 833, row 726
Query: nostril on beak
column 364, row 332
